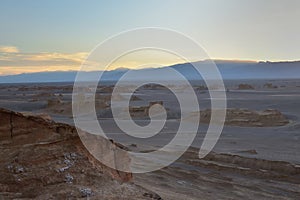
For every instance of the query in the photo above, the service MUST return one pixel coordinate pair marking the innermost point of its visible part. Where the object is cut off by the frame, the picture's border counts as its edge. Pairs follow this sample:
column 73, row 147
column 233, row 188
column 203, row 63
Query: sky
column 58, row 34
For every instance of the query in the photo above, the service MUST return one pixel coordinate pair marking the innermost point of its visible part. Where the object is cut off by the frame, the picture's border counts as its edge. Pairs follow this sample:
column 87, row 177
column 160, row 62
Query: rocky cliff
column 46, row 160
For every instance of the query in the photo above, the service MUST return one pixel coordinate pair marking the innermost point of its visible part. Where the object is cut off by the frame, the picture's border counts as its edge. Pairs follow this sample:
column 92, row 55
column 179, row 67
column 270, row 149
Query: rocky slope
column 42, row 159
column 224, row 176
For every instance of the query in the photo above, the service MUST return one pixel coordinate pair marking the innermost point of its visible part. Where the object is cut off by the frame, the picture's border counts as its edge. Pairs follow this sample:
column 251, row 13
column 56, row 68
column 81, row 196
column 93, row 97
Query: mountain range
column 228, row 70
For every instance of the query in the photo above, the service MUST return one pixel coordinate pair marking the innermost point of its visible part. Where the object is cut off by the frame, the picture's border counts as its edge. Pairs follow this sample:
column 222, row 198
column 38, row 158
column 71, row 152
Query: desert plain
column 256, row 157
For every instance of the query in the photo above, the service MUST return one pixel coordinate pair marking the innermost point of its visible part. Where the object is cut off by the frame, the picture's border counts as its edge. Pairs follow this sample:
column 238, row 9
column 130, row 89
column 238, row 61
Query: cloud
column 58, row 57
column 11, row 70
column 9, row 49
column 14, row 62
column 29, row 59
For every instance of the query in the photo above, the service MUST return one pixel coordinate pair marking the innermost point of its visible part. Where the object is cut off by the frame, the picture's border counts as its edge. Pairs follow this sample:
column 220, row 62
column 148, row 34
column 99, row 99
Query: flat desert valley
column 256, row 157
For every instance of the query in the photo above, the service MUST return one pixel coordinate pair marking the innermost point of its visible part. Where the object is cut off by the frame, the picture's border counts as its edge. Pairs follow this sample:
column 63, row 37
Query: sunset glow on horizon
column 43, row 36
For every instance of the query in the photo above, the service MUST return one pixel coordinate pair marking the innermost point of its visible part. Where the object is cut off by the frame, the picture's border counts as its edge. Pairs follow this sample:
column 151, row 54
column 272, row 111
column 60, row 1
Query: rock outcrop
column 245, row 86
column 46, row 160
column 247, row 118
column 270, row 86
column 142, row 111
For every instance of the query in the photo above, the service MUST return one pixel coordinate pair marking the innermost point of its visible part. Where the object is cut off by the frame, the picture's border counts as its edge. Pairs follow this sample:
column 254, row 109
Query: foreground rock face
column 46, row 160
column 247, row 118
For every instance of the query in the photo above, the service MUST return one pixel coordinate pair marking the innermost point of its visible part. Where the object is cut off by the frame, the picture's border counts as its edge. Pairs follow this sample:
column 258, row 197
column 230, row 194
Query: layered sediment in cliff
column 43, row 159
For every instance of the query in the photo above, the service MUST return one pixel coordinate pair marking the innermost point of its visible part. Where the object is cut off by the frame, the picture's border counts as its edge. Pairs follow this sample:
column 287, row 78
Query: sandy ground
column 189, row 177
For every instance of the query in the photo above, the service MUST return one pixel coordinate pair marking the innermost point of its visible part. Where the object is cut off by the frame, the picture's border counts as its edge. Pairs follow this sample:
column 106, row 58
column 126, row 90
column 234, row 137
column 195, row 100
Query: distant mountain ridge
column 228, row 70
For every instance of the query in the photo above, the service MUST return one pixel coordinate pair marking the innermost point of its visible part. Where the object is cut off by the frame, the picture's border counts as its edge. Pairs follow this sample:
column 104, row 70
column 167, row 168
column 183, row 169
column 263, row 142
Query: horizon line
column 217, row 61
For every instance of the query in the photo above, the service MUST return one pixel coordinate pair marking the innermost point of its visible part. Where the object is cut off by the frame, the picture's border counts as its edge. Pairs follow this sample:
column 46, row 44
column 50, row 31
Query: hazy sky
column 58, row 34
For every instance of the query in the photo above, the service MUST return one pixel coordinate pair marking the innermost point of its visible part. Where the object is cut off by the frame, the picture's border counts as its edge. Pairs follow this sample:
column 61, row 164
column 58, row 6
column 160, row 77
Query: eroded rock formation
column 247, row 118
column 245, row 86
column 46, row 160
column 142, row 111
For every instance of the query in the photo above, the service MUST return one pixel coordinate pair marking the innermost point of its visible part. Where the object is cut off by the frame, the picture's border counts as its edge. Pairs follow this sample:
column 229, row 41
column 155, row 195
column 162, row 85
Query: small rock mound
column 270, row 86
column 244, row 86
